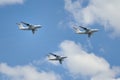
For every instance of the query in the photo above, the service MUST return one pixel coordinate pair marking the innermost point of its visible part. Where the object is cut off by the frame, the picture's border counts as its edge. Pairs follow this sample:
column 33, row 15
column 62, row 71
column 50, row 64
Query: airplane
column 59, row 58
column 87, row 30
column 29, row 26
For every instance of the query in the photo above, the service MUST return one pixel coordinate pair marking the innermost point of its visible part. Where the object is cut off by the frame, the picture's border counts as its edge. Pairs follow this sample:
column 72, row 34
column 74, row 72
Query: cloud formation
column 27, row 72
column 8, row 2
column 104, row 12
column 79, row 62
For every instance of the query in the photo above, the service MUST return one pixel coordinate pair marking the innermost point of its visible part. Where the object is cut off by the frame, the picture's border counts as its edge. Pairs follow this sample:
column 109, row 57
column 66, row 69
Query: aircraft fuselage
column 31, row 27
column 87, row 32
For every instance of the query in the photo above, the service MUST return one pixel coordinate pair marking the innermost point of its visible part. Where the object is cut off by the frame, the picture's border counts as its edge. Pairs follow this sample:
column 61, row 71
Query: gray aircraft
column 59, row 58
column 26, row 26
column 86, row 30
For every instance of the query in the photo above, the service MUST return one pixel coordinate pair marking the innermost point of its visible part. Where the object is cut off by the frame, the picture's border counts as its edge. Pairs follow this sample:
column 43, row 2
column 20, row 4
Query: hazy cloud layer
column 104, row 12
column 8, row 2
column 27, row 72
column 79, row 62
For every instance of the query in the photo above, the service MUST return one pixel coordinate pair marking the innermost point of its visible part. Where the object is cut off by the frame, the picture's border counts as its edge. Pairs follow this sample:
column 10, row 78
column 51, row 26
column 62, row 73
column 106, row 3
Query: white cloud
column 79, row 62
column 105, row 12
column 7, row 2
column 27, row 72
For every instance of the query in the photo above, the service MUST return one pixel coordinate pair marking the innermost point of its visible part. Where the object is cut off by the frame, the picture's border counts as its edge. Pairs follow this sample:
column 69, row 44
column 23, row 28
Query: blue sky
column 24, row 55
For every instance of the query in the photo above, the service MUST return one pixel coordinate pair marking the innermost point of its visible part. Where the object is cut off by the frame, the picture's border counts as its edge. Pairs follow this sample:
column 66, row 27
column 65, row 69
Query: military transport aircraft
column 57, row 58
column 86, row 30
column 26, row 26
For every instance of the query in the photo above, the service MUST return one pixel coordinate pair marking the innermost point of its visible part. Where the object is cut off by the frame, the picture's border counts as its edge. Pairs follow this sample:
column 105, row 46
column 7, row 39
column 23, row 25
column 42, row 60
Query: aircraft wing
column 54, row 55
column 60, row 61
column 89, row 35
column 84, row 28
column 33, row 31
column 26, row 24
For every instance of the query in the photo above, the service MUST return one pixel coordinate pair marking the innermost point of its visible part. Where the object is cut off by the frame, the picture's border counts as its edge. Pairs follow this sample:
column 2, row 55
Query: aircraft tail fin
column 77, row 30
column 20, row 25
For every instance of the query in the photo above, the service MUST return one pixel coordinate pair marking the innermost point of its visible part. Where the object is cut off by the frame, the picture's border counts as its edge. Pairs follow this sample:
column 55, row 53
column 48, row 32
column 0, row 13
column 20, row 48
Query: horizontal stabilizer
column 20, row 25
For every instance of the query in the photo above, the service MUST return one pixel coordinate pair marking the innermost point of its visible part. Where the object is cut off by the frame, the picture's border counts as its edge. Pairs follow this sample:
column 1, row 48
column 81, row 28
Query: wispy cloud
column 80, row 62
column 8, row 2
column 27, row 72
column 105, row 12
